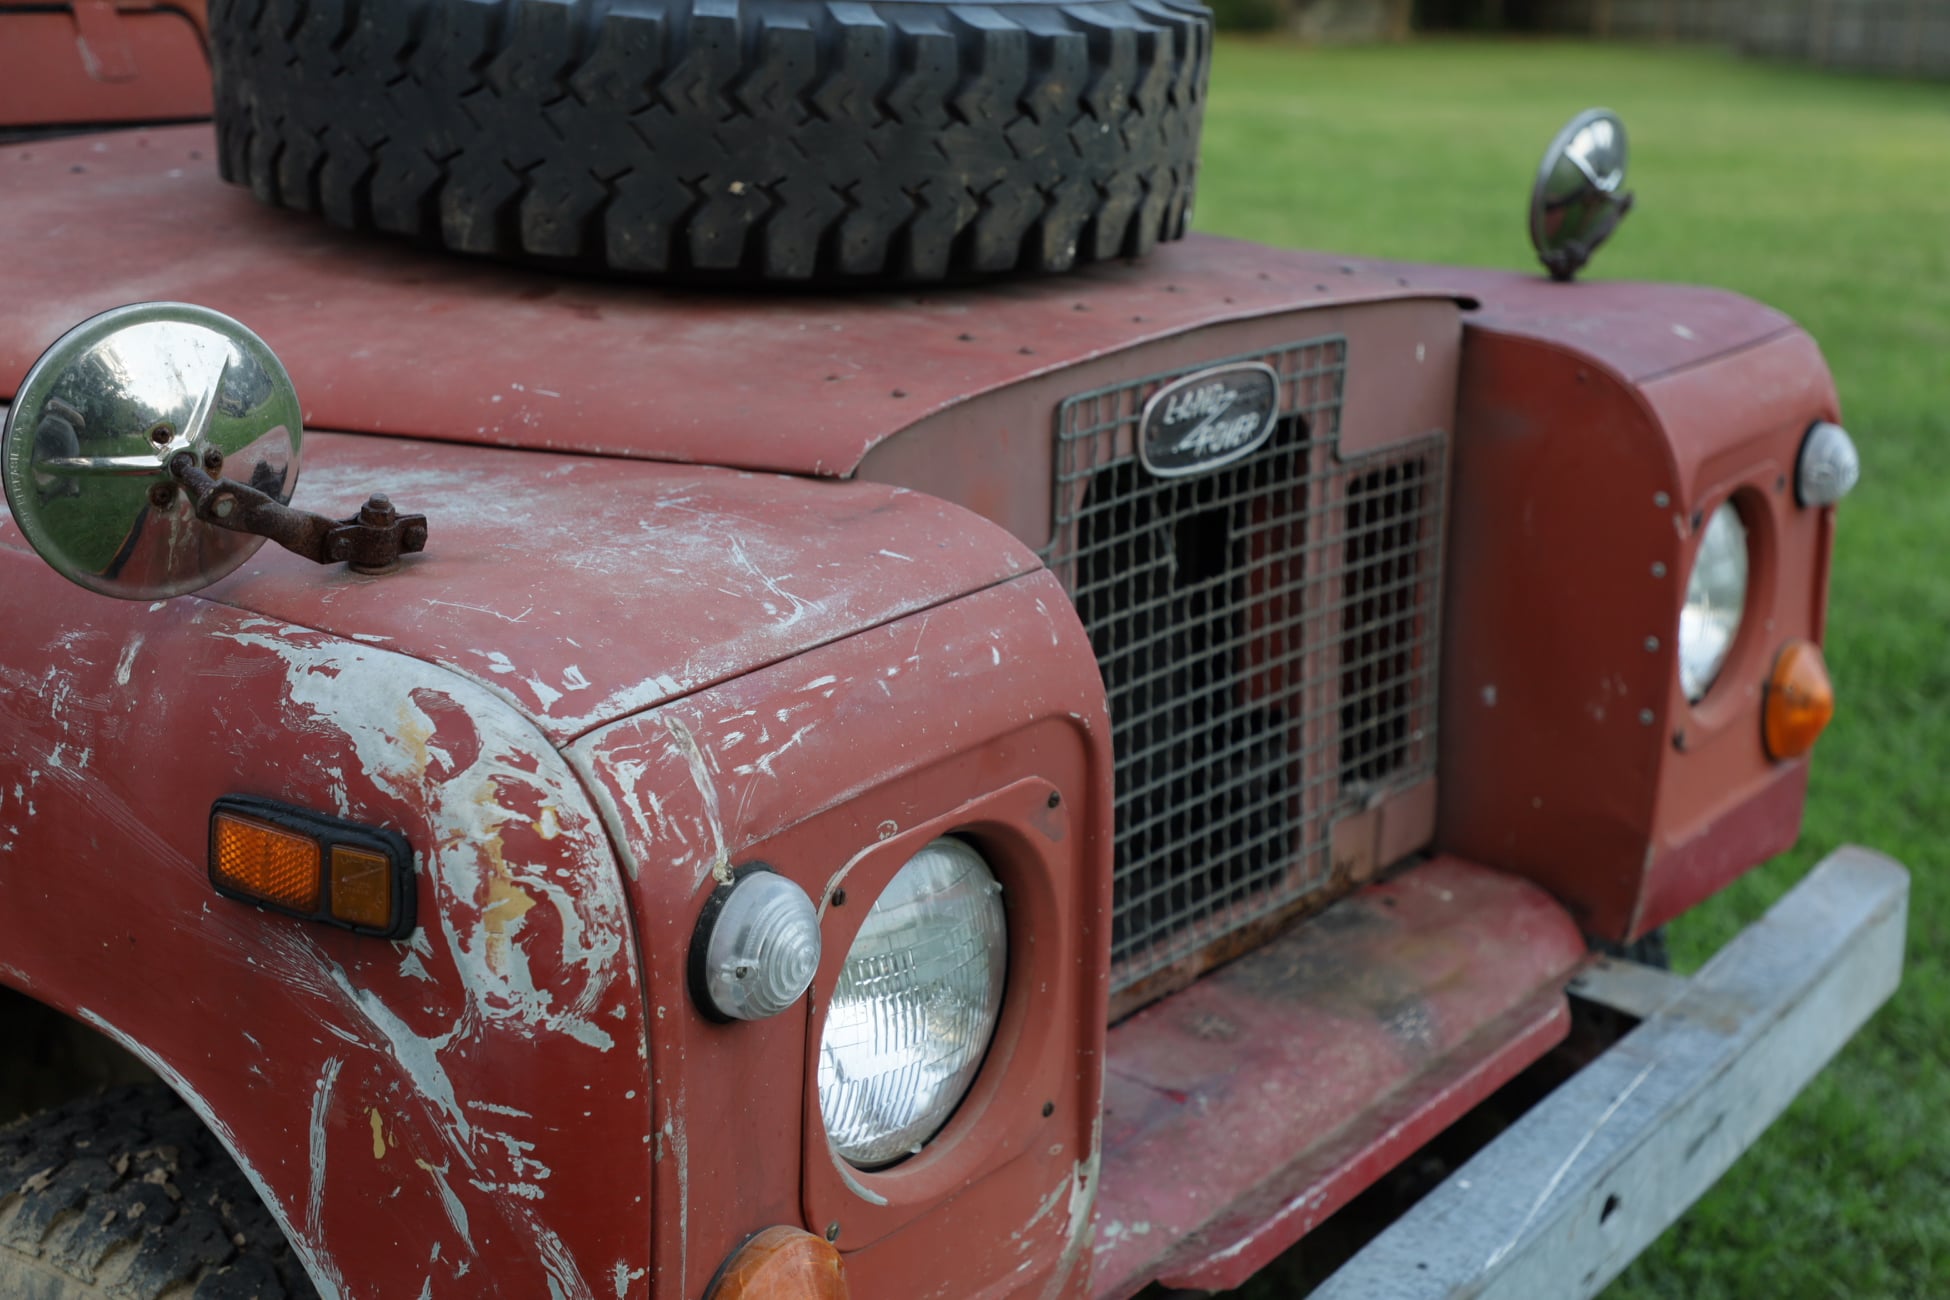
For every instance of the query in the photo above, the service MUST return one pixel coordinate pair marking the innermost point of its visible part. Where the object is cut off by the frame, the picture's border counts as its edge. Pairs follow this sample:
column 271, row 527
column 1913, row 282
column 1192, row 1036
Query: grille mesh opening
column 1266, row 633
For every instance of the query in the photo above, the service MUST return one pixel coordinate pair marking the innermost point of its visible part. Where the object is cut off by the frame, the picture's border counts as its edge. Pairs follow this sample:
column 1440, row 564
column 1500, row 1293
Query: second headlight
column 916, row 1004
column 1716, row 597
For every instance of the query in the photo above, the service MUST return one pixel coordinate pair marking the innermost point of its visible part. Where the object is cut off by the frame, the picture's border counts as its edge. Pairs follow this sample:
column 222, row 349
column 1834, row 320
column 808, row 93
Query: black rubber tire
column 127, row 1194
column 773, row 140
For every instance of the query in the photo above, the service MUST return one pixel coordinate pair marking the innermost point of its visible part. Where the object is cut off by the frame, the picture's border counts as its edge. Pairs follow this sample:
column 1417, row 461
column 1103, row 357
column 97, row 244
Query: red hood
column 584, row 590
column 383, row 338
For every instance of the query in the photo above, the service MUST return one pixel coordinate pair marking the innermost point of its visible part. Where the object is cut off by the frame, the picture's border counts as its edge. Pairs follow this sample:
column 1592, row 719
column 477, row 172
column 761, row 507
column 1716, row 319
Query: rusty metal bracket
column 370, row 542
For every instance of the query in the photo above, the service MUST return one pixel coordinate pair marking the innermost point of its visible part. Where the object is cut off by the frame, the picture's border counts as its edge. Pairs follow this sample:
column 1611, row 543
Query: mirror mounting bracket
column 1566, row 260
column 372, row 541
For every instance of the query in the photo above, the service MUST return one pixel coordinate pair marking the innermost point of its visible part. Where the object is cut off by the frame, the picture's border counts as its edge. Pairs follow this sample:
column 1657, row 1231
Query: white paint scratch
column 419, row 1057
column 765, row 761
column 564, row 1278
column 126, row 664
column 796, row 608
column 1557, row 1177
column 456, row 1212
column 720, row 864
column 321, row 1104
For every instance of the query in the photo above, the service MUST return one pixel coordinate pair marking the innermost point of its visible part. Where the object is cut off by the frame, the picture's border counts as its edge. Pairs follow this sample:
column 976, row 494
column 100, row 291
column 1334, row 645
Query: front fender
column 485, row 1085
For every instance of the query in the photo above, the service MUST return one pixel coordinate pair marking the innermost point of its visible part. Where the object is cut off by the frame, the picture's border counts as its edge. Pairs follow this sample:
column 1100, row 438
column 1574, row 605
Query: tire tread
column 777, row 140
column 128, row 1194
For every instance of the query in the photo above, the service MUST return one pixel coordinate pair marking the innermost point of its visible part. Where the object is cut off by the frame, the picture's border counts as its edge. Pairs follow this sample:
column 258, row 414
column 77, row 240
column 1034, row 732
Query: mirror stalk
column 370, row 542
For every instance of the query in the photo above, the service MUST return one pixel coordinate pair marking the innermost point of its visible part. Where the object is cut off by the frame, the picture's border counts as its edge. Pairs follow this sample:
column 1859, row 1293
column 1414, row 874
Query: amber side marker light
column 1800, row 700
column 311, row 866
column 781, row 1264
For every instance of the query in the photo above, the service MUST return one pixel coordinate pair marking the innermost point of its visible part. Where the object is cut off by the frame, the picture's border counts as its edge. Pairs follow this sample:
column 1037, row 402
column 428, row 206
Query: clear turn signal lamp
column 756, row 948
column 1828, row 467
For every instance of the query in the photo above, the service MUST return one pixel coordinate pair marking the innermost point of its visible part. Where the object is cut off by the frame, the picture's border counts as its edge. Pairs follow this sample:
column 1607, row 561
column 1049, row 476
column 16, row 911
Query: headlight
column 915, row 1006
column 1716, row 596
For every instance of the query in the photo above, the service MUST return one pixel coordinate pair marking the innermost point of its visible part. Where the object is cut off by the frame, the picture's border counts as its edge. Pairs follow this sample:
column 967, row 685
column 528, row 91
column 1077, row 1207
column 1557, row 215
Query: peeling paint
column 385, row 705
column 321, row 1103
column 378, row 1134
column 672, row 1136
column 456, row 1212
column 564, row 1278
column 126, row 664
column 419, row 1057
column 720, row 864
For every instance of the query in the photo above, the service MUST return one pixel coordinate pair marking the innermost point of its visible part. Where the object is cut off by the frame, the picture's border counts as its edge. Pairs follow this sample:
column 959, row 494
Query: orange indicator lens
column 782, row 1264
column 256, row 858
column 362, row 887
column 311, row 866
column 1800, row 701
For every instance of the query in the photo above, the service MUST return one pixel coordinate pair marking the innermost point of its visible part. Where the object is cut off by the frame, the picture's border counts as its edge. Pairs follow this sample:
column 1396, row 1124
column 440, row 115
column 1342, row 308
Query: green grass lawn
column 1828, row 197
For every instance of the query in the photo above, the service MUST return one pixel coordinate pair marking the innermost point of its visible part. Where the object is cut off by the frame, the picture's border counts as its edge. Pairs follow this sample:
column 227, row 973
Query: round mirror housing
column 88, row 444
column 1580, row 195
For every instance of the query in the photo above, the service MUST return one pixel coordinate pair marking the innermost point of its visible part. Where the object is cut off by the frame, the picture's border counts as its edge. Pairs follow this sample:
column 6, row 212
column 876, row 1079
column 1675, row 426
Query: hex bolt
column 162, row 435
column 377, row 512
column 212, row 460
column 162, row 495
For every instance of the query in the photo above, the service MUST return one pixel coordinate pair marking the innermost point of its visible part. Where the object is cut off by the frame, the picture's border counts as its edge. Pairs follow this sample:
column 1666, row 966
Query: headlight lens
column 915, row 1006
column 1716, row 596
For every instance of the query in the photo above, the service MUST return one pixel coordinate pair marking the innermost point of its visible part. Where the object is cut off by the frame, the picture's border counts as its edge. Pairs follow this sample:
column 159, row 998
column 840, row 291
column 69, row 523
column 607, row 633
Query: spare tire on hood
column 734, row 139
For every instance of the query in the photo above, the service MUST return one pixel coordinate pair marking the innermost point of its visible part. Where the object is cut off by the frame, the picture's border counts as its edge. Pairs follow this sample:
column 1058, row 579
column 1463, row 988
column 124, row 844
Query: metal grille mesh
column 1267, row 635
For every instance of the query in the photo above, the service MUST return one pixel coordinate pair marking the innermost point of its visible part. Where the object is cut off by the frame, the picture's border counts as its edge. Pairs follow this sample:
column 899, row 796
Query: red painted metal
column 129, row 61
column 430, row 1078
column 609, row 680
column 833, row 769
column 399, row 1106
column 398, row 341
column 583, row 590
column 1243, row 1111
column 1569, row 751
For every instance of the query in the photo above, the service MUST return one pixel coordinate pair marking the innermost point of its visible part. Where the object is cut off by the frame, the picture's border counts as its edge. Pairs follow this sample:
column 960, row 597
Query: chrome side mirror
column 154, row 448
column 1580, row 195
